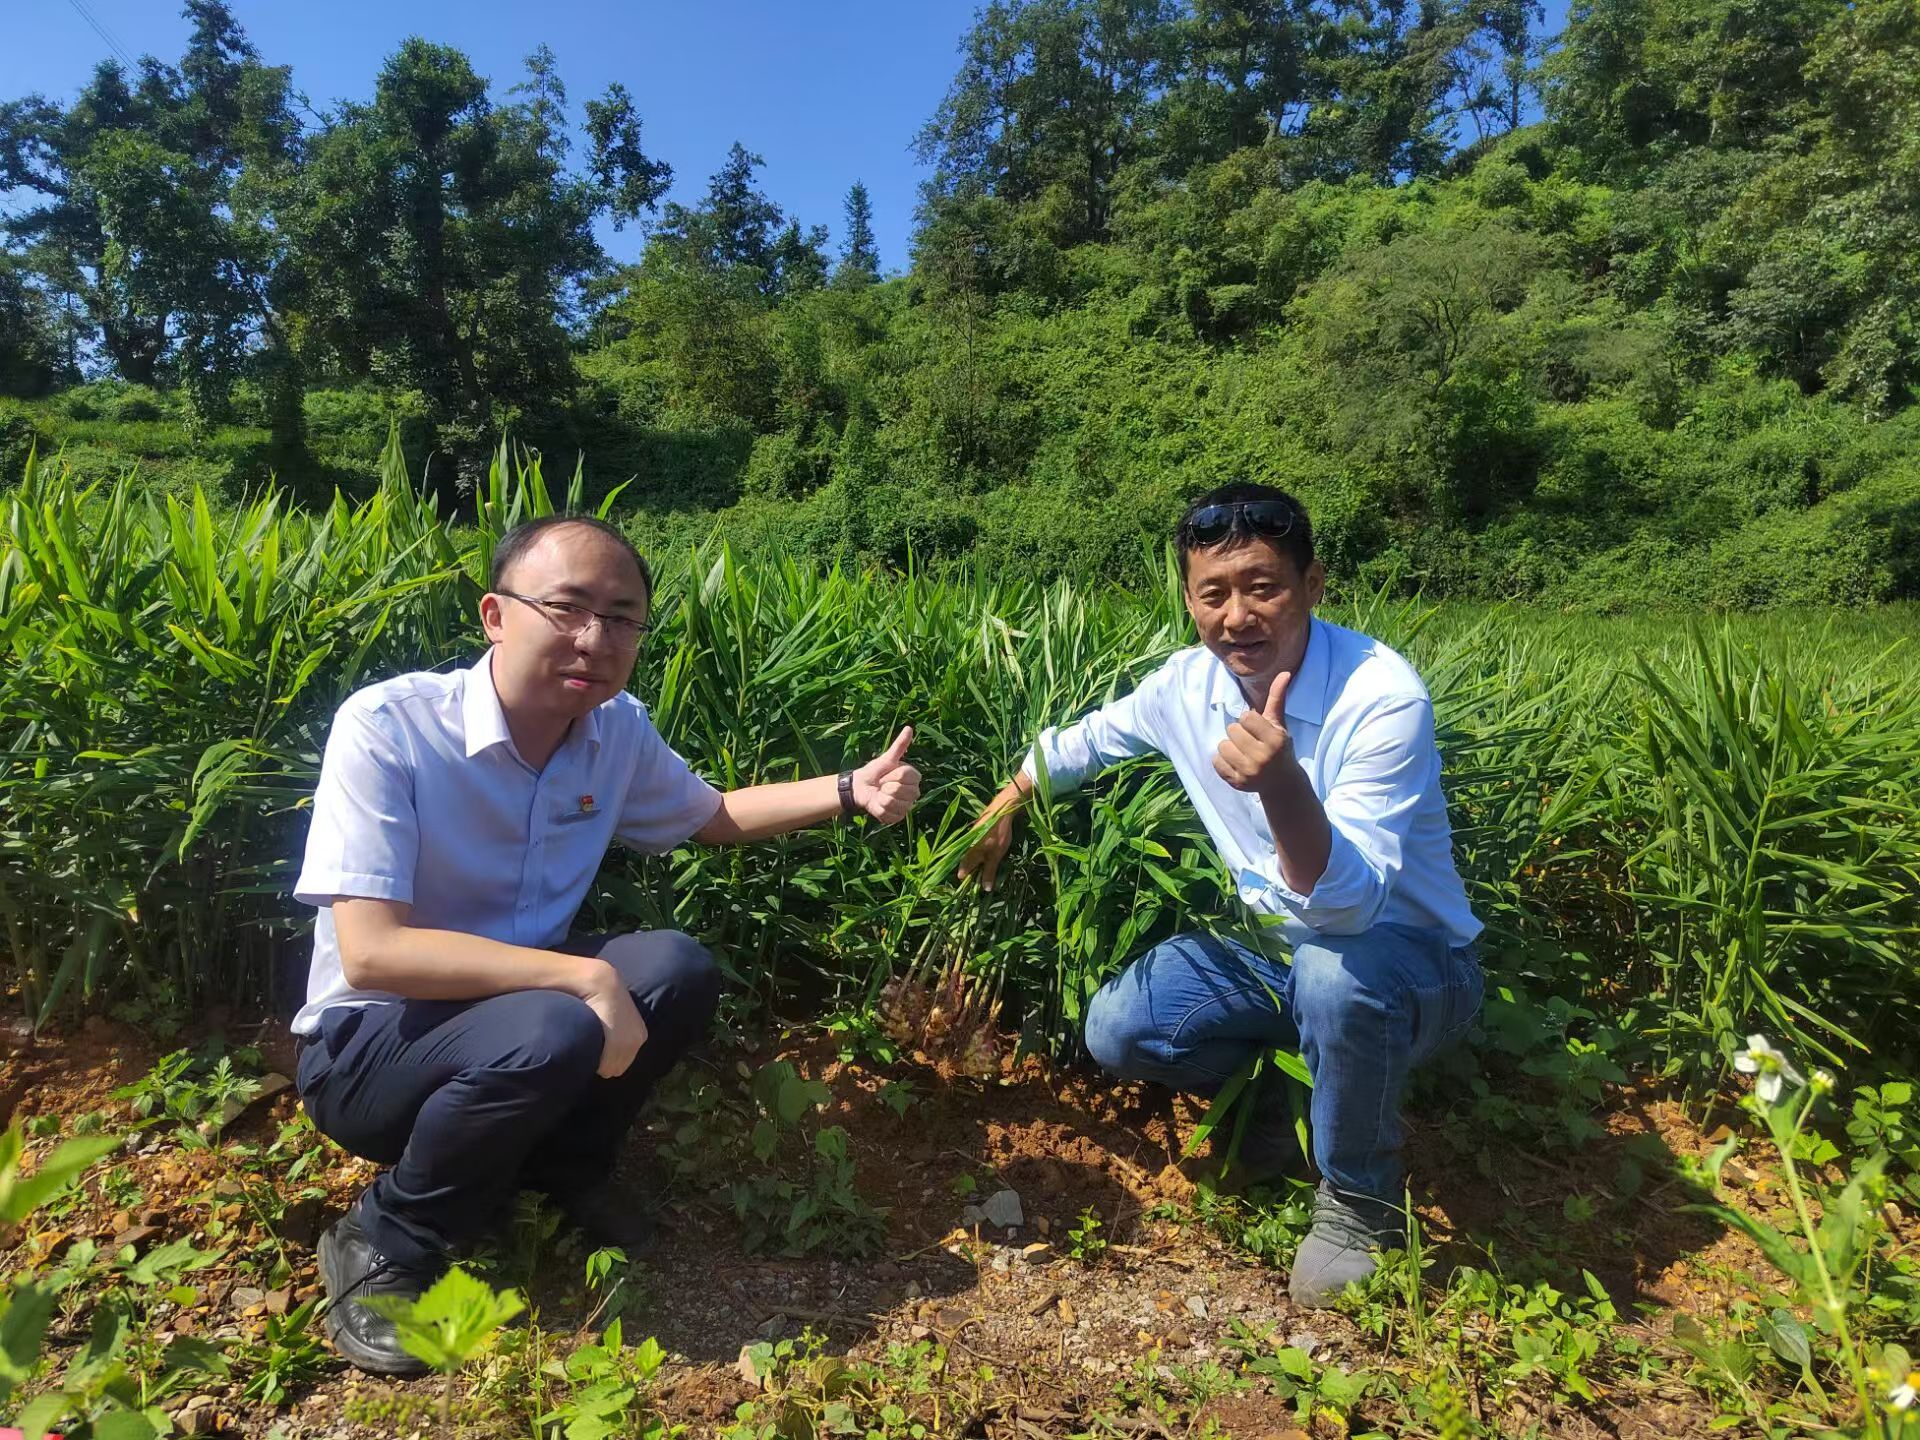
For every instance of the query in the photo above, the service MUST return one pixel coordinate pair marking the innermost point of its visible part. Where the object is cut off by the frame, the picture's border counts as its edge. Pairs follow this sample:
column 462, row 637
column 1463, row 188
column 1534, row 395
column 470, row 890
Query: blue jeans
column 1362, row 1010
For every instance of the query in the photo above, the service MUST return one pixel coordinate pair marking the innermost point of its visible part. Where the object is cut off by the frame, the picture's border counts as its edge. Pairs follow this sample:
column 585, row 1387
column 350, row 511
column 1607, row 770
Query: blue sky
column 827, row 91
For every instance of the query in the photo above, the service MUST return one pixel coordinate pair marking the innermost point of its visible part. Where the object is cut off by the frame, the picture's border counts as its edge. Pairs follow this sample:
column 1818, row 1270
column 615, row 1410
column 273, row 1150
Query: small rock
column 277, row 1301
column 1043, row 1225
column 918, row 1332
column 153, row 1217
column 1036, row 1253
column 198, row 1416
column 1002, row 1262
column 270, row 1086
column 772, row 1326
column 1003, row 1209
column 1197, row 1306
column 743, row 1367
column 301, row 1224
column 1305, row 1341
column 973, row 1215
column 245, row 1297
column 1067, row 1316
column 913, row 1290
column 135, row 1235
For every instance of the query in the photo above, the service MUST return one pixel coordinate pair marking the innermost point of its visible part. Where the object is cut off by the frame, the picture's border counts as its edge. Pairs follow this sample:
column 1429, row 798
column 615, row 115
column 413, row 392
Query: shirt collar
column 485, row 722
column 1306, row 695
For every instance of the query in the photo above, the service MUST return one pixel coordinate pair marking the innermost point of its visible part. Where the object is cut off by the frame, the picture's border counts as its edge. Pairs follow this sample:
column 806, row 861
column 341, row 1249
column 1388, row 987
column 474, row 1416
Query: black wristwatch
column 847, row 807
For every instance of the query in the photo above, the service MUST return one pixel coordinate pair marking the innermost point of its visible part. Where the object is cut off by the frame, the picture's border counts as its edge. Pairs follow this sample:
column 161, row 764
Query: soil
column 1060, row 1334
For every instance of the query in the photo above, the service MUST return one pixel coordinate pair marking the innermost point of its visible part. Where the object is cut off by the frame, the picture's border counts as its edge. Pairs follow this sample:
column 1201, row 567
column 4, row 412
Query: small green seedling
column 449, row 1325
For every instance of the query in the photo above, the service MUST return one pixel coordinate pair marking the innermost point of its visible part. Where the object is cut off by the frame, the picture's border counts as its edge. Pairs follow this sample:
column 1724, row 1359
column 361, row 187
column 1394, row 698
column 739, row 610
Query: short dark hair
column 1297, row 543
column 508, row 549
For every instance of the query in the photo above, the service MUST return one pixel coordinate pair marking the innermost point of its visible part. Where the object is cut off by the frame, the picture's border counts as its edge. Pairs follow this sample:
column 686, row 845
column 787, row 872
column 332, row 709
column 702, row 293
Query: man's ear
column 1316, row 578
column 492, row 616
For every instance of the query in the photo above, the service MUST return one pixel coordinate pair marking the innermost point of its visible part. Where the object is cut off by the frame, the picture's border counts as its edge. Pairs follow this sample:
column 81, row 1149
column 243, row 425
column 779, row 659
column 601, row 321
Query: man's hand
column 613, row 1003
column 886, row 788
column 983, row 858
column 1257, row 752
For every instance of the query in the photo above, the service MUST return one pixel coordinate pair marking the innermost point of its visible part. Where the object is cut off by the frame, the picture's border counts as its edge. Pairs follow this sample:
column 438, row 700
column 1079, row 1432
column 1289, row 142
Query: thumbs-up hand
column 887, row 786
column 1258, row 744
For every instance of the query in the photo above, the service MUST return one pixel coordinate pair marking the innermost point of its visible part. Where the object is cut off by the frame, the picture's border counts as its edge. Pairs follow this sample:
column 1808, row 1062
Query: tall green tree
column 1052, row 97
column 860, row 256
column 1377, row 92
column 1497, row 65
column 136, row 210
column 739, row 232
column 1635, row 76
column 1241, row 78
column 33, row 355
column 442, row 236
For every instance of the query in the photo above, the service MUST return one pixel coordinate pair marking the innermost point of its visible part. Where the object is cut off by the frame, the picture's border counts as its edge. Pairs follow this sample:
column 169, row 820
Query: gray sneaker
column 1344, row 1245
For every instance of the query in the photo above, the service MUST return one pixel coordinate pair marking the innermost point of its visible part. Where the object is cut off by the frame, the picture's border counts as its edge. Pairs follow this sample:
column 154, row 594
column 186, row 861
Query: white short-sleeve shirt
column 423, row 798
column 1362, row 728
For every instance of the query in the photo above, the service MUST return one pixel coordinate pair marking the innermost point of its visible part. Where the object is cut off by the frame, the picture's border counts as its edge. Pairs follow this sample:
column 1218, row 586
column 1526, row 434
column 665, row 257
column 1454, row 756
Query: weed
column 1085, row 1243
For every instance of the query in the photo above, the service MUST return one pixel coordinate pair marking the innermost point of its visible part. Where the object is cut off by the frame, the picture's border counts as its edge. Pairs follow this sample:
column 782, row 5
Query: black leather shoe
column 352, row 1270
column 608, row 1215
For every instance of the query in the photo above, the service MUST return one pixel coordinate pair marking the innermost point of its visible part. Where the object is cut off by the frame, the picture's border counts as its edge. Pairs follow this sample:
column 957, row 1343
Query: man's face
column 1252, row 607
column 536, row 663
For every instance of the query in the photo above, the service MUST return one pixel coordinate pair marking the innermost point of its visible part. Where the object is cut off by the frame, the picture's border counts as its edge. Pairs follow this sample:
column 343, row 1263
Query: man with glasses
column 1308, row 752
column 453, row 1029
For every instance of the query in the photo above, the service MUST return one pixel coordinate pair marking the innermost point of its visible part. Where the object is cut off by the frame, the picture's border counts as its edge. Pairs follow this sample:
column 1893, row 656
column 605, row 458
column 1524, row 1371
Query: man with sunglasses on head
column 454, row 1030
column 1308, row 751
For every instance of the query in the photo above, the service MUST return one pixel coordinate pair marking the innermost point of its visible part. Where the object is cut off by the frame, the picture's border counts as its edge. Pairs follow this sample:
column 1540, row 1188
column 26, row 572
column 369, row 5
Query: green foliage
column 1084, row 1240
column 171, row 675
column 609, row 1386
column 1831, row 1262
column 455, row 1320
column 1659, row 349
column 910, row 1393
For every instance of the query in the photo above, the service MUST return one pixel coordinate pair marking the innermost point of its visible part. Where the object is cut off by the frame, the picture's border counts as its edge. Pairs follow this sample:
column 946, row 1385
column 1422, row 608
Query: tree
column 1242, row 78
column 1496, row 67
column 441, row 236
column 860, row 257
column 1377, row 82
column 32, row 357
column 739, row 232
column 137, row 214
column 1422, row 361
column 1634, row 74
column 1051, row 94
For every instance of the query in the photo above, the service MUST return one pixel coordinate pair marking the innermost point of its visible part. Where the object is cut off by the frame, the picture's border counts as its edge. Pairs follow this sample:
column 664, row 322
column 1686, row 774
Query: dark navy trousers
column 469, row 1100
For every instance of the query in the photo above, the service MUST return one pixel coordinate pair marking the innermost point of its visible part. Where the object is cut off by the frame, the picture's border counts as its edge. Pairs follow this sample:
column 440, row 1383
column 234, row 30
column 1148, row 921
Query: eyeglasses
column 575, row 619
column 1211, row 524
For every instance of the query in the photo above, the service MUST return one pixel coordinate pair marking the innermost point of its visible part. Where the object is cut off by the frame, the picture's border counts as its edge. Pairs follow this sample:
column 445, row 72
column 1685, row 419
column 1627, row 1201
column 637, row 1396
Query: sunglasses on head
column 1211, row 524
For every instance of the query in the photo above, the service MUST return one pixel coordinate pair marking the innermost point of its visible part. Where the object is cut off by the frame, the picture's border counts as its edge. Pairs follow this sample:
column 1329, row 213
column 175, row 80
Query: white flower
column 1903, row 1395
column 1770, row 1067
column 1822, row 1082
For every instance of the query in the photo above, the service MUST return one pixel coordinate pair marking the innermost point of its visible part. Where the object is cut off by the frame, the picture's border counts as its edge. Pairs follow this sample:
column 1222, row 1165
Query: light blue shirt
column 423, row 798
column 1362, row 729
